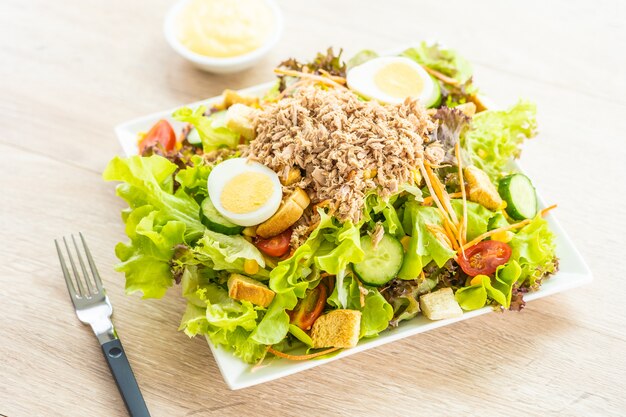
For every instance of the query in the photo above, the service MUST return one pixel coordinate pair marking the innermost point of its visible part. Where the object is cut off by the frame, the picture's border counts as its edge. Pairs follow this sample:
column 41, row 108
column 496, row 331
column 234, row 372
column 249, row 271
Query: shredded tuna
column 338, row 141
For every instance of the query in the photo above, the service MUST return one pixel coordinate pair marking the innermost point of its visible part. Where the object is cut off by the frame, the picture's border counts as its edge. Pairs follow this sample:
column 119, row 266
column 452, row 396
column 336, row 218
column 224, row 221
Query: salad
column 354, row 195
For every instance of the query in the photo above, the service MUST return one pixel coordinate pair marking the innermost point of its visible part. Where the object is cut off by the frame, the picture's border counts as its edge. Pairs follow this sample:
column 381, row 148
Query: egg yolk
column 399, row 80
column 246, row 192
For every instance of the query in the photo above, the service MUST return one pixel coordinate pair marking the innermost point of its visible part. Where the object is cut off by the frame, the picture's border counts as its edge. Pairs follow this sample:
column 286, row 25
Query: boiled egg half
column 246, row 193
column 392, row 79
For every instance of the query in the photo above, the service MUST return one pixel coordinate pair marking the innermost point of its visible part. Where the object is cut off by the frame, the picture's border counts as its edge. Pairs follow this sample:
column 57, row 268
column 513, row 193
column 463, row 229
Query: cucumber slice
column 382, row 264
column 520, row 196
column 212, row 219
column 435, row 98
column 218, row 119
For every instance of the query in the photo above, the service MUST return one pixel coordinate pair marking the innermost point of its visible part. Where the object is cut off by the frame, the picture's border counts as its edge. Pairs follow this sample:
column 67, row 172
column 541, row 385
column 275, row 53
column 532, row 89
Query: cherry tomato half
column 274, row 246
column 484, row 257
column 310, row 307
column 161, row 134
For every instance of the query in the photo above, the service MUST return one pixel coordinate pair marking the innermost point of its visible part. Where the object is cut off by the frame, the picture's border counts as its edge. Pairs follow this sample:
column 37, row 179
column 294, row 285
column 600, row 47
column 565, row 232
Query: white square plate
column 573, row 272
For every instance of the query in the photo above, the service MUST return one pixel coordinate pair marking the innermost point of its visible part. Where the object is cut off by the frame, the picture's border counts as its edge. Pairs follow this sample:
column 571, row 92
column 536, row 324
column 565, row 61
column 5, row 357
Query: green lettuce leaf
column 213, row 135
column 149, row 181
column 423, row 244
column 534, row 248
column 223, row 252
column 495, row 136
column 375, row 315
column 380, row 209
column 145, row 260
column 443, row 60
column 361, row 58
column 498, row 289
column 376, row 311
column 274, row 326
column 478, row 217
column 211, row 312
column 193, row 179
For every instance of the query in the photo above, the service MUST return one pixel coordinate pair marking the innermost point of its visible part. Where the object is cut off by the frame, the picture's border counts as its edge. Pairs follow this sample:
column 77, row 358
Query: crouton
column 288, row 213
column 241, row 288
column 480, row 188
column 233, row 97
column 293, row 176
column 468, row 109
column 239, row 119
column 440, row 304
column 339, row 328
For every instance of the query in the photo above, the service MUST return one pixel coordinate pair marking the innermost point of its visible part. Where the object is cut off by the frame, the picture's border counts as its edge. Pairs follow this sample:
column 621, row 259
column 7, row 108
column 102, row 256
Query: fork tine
column 92, row 264
column 66, row 273
column 81, row 289
column 90, row 288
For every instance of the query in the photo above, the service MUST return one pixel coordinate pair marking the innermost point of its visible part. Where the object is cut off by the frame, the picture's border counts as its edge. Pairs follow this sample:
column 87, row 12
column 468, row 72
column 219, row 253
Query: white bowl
column 221, row 65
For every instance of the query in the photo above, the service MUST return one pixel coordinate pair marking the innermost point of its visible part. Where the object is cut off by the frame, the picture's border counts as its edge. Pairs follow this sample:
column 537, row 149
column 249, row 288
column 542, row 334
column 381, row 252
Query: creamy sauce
column 224, row 28
column 399, row 80
column 246, row 192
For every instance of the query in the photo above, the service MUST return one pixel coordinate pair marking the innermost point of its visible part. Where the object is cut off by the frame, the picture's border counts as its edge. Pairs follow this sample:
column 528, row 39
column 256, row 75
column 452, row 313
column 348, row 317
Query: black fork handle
column 124, row 378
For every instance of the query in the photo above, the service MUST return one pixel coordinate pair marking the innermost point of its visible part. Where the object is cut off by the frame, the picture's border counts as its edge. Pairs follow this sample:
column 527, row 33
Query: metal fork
column 94, row 308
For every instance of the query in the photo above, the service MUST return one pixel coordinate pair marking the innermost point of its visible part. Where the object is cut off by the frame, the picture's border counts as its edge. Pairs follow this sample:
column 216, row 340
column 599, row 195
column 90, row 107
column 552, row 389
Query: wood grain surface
column 71, row 70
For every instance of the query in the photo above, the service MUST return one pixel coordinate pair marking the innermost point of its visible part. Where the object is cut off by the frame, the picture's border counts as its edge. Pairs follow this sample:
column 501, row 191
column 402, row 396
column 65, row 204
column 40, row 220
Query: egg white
column 226, row 171
column 361, row 80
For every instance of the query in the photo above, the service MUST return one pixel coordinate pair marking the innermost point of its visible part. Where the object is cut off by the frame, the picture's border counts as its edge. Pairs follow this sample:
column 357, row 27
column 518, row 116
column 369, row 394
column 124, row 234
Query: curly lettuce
column 497, row 289
column 424, row 246
column 211, row 312
column 213, row 135
column 535, row 249
column 495, row 136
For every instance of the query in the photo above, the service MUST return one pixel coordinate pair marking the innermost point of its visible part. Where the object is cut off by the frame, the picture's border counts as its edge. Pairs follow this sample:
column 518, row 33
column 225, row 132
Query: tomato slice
column 161, row 134
column 484, row 257
column 274, row 246
column 310, row 307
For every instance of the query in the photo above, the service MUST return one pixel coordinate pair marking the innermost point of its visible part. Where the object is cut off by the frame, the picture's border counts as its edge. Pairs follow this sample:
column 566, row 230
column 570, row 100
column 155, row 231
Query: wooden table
column 71, row 70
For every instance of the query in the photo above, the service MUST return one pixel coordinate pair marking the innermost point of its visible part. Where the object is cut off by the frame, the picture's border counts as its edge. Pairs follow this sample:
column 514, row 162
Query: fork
column 94, row 308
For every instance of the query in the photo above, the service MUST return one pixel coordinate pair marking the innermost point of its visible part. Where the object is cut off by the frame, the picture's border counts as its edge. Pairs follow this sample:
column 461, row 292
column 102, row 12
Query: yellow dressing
column 247, row 192
column 224, row 28
column 399, row 80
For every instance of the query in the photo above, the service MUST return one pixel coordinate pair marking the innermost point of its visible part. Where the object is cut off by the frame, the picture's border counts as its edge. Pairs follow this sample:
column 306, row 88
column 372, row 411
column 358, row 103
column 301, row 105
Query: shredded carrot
column 450, row 228
column 505, row 228
column 433, row 194
column 450, row 234
column 429, row 200
column 299, row 74
column 441, row 76
column 340, row 80
column 463, row 237
column 300, row 357
column 441, row 193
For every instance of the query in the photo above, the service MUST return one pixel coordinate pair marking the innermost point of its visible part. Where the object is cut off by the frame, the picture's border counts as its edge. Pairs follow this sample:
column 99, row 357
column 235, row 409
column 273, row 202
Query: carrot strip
column 323, row 80
column 450, row 234
column 441, row 76
column 300, row 357
column 463, row 238
column 340, row 80
column 449, row 227
column 505, row 228
column 429, row 200
column 442, row 194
